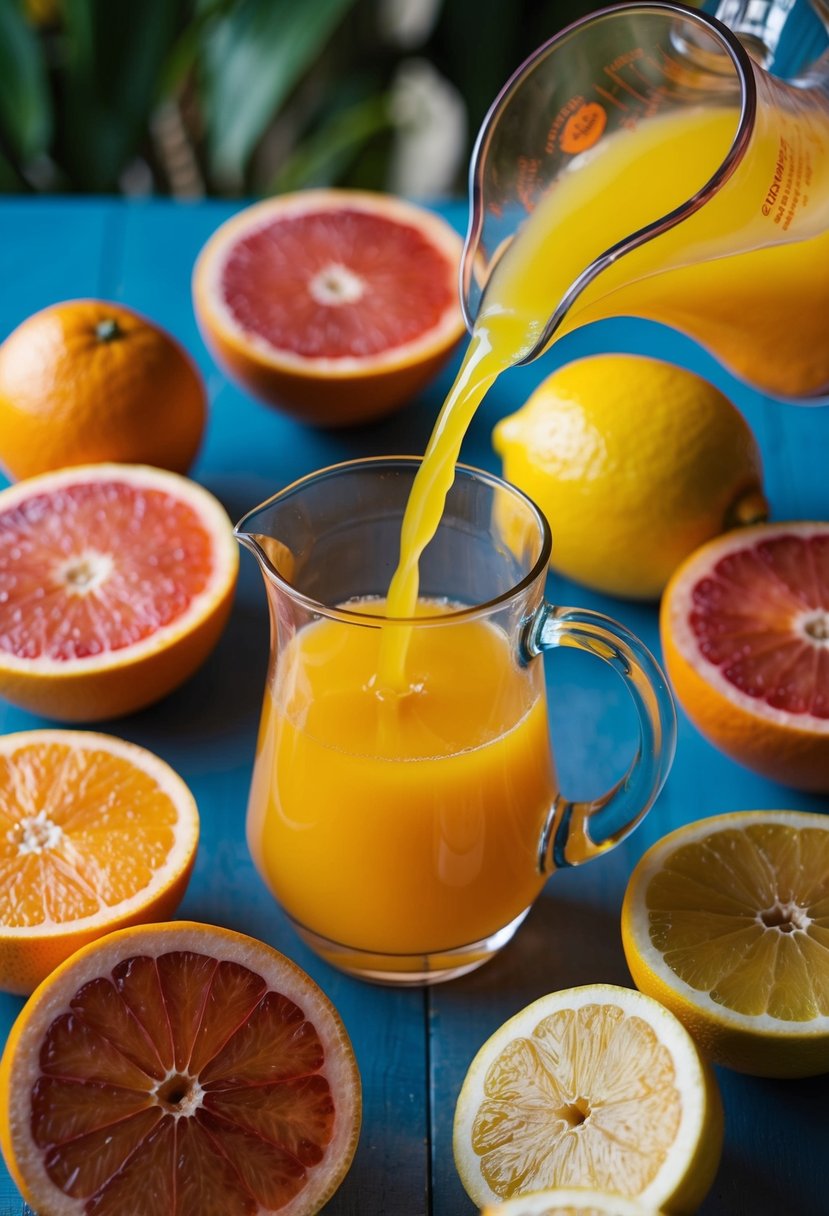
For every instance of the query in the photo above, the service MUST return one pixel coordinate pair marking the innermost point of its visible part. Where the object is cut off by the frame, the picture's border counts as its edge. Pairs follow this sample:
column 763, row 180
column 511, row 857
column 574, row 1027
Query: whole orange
column 87, row 381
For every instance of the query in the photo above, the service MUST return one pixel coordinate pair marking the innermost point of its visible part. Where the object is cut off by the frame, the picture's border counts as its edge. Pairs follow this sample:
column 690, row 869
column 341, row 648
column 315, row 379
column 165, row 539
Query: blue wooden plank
column 143, row 255
column 207, row 730
column 572, row 936
column 48, row 252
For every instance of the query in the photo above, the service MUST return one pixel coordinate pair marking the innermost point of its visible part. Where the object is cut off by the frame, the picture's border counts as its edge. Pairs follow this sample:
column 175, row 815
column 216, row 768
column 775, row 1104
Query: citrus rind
column 325, row 391
column 786, row 747
column 570, row 1202
column 687, row 1169
column 760, row 1044
column 19, row 1067
column 29, row 952
column 121, row 681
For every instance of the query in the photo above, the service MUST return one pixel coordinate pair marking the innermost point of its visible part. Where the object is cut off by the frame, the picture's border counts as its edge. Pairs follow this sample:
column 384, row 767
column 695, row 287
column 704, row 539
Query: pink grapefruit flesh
column 122, row 561
column 351, row 284
column 335, row 305
column 180, row 1079
column 115, row 583
column 762, row 617
column 745, row 635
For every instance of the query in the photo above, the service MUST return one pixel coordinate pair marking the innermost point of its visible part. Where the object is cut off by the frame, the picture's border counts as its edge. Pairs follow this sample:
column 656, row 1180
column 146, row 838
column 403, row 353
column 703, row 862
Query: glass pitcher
column 407, row 831
column 652, row 168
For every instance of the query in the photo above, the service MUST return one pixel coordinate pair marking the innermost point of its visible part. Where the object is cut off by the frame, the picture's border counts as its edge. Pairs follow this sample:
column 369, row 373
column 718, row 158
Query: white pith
column 279, row 973
column 335, row 285
column 653, row 862
column 168, row 781
column 84, row 572
column 207, row 277
column 34, row 834
column 561, row 1200
column 690, row 1082
column 686, row 642
column 211, row 514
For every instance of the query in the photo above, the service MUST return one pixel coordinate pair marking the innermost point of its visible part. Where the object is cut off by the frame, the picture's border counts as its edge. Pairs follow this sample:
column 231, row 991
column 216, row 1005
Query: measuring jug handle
column 575, row 832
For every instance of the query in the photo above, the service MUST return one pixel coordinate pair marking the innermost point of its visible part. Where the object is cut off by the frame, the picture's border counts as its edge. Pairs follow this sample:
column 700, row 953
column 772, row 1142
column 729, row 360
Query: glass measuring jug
column 653, row 169
column 406, row 832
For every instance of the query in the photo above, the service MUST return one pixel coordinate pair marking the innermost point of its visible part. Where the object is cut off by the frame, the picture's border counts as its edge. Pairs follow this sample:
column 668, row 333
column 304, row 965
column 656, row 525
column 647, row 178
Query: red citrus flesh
column 182, row 1082
column 95, row 567
column 336, row 306
column 116, row 581
column 761, row 616
column 336, row 284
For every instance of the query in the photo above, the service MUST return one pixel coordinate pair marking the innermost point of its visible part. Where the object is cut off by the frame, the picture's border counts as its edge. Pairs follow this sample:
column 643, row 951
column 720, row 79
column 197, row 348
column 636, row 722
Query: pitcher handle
column 570, row 831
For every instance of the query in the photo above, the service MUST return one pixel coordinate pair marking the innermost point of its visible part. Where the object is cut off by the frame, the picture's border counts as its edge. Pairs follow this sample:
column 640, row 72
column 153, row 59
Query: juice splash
column 689, row 276
column 411, row 832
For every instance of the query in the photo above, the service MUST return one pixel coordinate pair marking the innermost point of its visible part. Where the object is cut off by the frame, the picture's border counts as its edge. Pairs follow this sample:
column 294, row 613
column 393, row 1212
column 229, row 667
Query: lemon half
column 570, row 1202
column 726, row 922
column 597, row 1087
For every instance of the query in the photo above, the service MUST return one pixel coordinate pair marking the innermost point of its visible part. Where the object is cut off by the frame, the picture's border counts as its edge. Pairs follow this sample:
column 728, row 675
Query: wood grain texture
column 413, row 1047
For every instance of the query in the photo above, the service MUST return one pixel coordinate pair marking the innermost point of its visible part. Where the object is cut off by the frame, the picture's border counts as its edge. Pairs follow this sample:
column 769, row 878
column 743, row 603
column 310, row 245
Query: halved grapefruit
column 745, row 635
column 115, row 583
column 337, row 305
column 176, row 1070
column 95, row 834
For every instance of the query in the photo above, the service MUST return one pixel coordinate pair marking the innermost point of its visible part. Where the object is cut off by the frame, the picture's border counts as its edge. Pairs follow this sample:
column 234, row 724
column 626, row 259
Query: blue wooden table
column 413, row 1046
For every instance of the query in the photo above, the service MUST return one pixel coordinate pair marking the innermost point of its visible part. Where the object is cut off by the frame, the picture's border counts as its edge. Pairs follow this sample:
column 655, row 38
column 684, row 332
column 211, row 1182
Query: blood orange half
column 337, row 305
column 178, row 1070
column 115, row 583
column 745, row 634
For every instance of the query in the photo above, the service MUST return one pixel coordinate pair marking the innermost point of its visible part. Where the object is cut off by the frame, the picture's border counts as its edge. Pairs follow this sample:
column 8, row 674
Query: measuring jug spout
column 654, row 169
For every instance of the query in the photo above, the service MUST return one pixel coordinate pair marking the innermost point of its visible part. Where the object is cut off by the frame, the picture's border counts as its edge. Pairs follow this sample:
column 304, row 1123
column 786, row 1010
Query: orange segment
column 115, row 582
column 178, row 1068
column 94, row 833
column 335, row 305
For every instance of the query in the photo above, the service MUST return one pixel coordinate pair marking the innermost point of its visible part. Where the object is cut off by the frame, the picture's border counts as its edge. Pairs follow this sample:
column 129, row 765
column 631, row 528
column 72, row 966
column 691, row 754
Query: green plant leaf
column 253, row 57
column 115, row 61
column 321, row 159
column 25, row 103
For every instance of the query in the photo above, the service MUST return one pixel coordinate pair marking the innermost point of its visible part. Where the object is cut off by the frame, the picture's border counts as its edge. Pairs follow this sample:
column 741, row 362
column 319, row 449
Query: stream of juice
column 708, row 275
column 409, row 833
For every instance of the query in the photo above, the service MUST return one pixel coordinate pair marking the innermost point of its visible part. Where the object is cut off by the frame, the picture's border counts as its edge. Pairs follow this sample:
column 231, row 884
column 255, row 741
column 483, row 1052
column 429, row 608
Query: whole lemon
column 635, row 463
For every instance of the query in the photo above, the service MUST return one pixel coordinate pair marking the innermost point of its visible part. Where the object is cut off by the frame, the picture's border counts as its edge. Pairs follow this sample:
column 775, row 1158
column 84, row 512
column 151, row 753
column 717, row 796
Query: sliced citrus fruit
column 595, row 1087
column 338, row 305
column 726, row 922
column 745, row 634
column 570, row 1202
column 115, row 583
column 178, row 1070
column 89, row 380
column 95, row 833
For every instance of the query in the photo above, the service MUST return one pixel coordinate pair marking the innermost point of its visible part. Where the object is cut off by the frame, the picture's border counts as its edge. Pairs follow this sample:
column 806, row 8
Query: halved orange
column 178, row 1070
column 95, row 834
column 745, row 635
column 115, row 583
column 336, row 305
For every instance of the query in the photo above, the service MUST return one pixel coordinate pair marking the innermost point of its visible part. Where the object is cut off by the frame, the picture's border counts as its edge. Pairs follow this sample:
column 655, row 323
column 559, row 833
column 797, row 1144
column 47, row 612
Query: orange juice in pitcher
column 378, row 811
column 407, row 828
